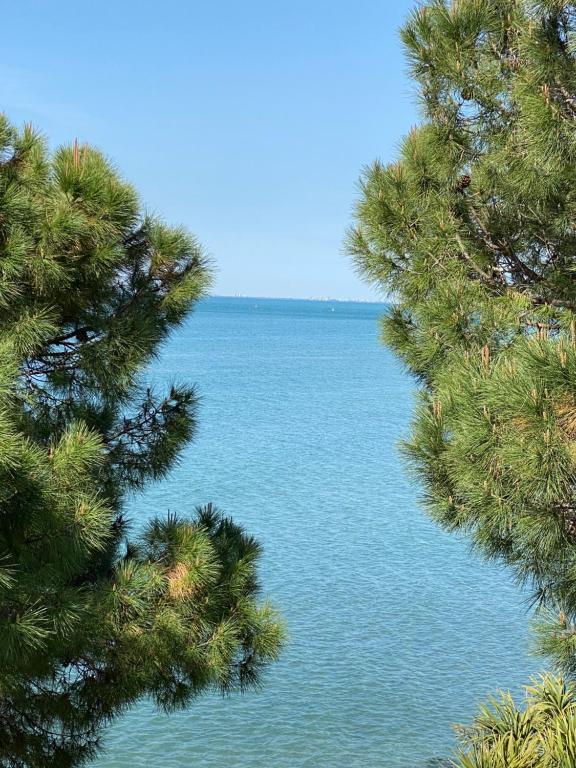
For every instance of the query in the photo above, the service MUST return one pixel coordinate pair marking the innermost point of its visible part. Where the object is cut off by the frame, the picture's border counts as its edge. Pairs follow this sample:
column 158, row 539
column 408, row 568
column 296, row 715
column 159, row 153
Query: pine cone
column 570, row 527
column 463, row 182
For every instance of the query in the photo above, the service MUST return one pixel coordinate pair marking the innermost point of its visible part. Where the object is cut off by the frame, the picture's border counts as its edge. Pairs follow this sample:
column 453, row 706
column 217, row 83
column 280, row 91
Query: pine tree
column 472, row 234
column 93, row 616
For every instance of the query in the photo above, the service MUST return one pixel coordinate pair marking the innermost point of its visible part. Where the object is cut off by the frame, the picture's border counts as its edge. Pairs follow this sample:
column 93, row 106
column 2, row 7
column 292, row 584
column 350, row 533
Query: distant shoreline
column 295, row 298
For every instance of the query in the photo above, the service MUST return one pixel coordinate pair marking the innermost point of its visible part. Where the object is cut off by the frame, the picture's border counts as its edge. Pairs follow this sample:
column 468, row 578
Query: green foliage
column 471, row 233
column 542, row 735
column 90, row 620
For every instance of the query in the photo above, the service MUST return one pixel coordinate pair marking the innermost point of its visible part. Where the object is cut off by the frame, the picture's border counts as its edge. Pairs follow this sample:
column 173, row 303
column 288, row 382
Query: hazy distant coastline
column 295, row 298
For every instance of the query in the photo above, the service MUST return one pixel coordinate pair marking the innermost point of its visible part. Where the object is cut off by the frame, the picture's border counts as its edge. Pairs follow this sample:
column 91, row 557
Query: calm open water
column 396, row 630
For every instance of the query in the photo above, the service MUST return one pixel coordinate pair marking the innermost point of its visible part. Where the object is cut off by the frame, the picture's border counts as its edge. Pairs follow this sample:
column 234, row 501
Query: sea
column 397, row 630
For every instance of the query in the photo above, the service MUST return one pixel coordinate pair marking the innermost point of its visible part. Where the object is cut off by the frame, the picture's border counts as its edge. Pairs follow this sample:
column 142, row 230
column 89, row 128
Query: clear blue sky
column 247, row 121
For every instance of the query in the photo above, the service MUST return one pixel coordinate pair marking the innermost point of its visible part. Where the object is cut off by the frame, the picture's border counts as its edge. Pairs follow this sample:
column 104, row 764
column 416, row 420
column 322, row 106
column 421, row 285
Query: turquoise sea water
column 396, row 629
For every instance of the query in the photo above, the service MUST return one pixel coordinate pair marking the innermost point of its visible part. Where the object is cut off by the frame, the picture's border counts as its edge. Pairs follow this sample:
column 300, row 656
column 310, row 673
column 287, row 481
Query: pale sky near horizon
column 247, row 122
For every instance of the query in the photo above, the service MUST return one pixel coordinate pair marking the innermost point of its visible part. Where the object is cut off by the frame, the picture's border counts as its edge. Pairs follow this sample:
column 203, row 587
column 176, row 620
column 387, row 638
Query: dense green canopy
column 472, row 233
column 91, row 620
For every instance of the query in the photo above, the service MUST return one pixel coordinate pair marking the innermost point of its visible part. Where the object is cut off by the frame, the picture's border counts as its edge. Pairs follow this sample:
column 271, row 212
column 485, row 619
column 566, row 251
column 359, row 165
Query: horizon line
column 293, row 298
